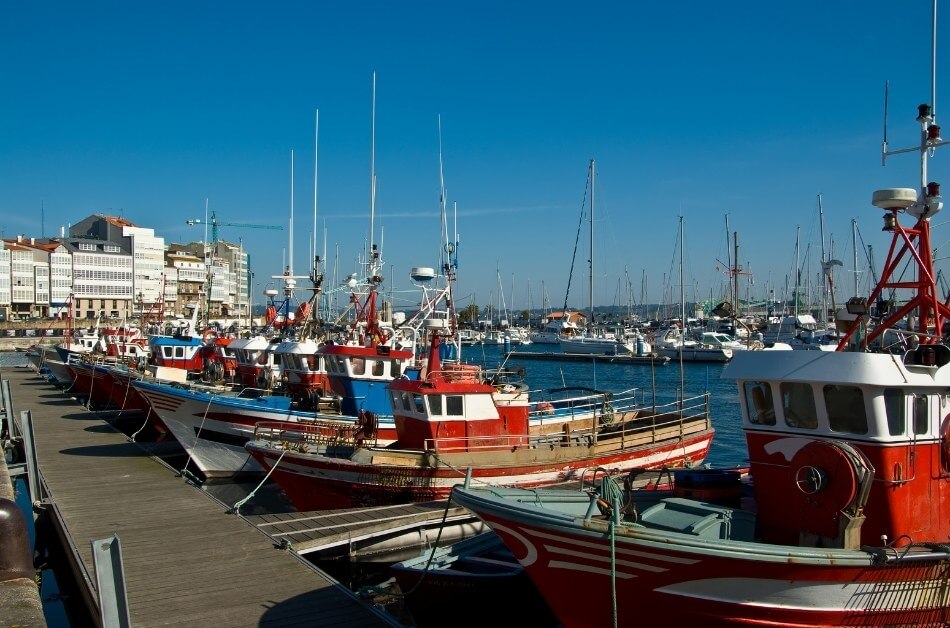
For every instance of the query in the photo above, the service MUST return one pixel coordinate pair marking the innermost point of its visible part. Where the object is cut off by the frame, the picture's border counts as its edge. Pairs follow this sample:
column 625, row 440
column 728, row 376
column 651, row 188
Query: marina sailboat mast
column 591, row 282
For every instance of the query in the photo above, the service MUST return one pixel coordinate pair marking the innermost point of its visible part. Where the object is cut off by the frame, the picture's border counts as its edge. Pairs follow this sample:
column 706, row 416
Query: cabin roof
column 833, row 367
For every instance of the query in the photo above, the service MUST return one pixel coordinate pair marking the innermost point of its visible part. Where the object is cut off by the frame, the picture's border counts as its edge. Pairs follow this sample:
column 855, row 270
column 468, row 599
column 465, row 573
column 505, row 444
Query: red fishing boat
column 846, row 523
column 450, row 420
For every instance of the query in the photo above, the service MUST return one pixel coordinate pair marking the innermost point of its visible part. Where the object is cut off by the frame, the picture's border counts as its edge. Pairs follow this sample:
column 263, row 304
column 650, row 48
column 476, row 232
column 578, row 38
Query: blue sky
column 699, row 109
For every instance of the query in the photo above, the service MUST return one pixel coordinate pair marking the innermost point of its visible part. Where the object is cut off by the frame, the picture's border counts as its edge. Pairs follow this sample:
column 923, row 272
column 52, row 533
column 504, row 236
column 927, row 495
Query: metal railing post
column 12, row 429
column 110, row 583
column 29, row 452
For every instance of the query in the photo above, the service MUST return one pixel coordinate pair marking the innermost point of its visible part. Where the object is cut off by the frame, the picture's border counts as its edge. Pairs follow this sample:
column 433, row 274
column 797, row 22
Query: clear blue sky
column 699, row 109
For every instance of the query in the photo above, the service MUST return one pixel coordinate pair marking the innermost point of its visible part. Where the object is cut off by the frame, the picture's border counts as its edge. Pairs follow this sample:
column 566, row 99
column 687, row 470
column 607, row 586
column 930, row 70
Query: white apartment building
column 103, row 280
column 239, row 288
column 147, row 250
column 228, row 292
column 5, row 294
column 187, row 272
column 29, row 278
column 35, row 277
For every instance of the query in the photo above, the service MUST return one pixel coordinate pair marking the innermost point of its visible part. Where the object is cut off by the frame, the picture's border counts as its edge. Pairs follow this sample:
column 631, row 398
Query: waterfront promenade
column 186, row 561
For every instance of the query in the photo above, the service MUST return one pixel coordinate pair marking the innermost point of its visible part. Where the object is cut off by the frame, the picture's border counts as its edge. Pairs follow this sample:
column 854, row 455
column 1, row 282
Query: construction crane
column 213, row 221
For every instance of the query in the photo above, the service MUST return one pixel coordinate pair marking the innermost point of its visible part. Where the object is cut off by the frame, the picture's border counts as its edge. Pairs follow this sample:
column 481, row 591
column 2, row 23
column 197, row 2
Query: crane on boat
column 213, row 221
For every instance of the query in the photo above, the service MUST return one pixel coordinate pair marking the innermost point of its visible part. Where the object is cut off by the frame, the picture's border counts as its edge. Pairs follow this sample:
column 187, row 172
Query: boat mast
column 591, row 286
column 798, row 271
column 825, row 267
column 372, row 169
column 854, row 251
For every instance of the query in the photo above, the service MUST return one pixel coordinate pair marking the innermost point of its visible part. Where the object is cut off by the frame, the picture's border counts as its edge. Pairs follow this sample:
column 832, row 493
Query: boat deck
column 186, row 561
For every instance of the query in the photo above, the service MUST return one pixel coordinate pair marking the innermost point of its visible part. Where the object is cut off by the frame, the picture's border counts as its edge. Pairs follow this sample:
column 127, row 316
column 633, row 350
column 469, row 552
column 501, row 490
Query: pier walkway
column 186, row 561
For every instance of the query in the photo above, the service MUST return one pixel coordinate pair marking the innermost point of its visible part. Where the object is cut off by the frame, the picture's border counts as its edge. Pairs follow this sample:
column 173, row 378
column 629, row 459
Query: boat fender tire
column 367, row 423
column 945, row 444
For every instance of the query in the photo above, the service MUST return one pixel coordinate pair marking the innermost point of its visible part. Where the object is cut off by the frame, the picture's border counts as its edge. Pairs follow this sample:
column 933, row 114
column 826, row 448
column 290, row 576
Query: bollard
column 15, row 559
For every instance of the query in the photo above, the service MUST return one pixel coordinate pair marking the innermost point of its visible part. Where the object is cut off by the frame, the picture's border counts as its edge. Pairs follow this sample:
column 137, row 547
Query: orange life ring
column 270, row 314
column 545, row 408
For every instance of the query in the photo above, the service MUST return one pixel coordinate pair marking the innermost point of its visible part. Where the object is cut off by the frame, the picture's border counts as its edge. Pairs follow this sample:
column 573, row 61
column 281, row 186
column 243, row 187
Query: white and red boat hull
column 667, row 579
column 373, row 477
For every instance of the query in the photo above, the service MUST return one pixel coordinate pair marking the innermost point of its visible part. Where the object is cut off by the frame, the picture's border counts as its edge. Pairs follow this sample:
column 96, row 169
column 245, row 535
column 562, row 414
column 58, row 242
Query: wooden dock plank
column 186, row 560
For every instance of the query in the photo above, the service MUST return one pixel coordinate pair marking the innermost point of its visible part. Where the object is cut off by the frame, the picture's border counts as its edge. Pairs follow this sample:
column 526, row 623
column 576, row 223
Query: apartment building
column 5, row 293
column 186, row 272
column 228, row 293
column 147, row 250
column 103, row 278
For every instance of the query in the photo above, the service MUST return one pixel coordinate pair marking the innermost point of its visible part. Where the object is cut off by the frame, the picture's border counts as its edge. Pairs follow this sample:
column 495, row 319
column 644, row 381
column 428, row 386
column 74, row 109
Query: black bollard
column 15, row 559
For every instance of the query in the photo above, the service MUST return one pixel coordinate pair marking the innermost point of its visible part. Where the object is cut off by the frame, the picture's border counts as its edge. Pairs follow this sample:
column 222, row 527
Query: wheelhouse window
column 435, row 405
column 921, row 415
column 379, row 367
column 758, row 399
column 895, row 407
column 419, row 403
column 798, row 406
column 358, row 365
column 396, row 368
column 453, row 405
column 846, row 409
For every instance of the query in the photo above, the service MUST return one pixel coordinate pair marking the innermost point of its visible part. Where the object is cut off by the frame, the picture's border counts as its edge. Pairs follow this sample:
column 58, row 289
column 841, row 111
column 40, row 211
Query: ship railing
column 550, row 407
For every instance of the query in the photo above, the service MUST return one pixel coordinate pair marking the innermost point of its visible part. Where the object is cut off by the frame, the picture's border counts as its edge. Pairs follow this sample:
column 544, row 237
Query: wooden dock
column 186, row 561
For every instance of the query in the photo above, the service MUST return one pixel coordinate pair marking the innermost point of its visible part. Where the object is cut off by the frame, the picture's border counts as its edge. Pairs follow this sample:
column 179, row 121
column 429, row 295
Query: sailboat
column 588, row 343
column 675, row 345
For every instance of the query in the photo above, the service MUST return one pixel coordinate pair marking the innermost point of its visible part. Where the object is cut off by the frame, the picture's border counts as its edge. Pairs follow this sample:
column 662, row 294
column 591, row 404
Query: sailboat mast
column 591, row 287
column 798, row 272
column 825, row 264
column 372, row 169
column 290, row 245
column 315, row 276
column 854, row 252
column 682, row 284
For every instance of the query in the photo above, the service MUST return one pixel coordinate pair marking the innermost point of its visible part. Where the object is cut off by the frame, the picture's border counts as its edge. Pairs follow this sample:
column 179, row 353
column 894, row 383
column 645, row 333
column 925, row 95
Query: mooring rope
column 435, row 546
column 147, row 415
column 235, row 509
